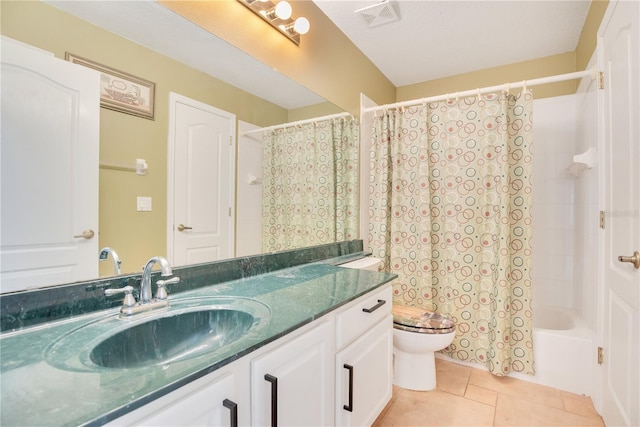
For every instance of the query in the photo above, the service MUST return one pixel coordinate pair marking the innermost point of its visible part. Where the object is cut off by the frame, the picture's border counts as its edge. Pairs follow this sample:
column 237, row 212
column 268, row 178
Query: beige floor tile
column 518, row 388
column 482, row 395
column 580, row 405
column 437, row 408
column 512, row 411
column 451, row 377
column 394, row 395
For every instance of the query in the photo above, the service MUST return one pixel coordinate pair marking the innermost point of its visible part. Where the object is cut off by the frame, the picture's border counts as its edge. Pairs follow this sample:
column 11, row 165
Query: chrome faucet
column 146, row 303
column 104, row 254
column 145, row 284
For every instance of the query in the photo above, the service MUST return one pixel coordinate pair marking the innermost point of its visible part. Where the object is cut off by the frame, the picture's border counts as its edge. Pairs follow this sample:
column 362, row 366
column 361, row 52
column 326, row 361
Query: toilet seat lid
column 420, row 320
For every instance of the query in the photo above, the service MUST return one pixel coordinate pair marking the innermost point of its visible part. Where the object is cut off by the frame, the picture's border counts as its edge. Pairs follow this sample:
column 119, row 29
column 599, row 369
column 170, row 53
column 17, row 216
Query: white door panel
column 619, row 46
column 202, row 171
column 49, row 171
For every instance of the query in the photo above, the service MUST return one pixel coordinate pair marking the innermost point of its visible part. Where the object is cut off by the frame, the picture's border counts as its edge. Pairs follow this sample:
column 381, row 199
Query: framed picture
column 121, row 91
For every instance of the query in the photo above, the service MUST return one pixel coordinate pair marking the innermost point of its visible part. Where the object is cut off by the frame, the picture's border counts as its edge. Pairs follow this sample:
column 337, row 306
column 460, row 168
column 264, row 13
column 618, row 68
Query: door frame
column 174, row 99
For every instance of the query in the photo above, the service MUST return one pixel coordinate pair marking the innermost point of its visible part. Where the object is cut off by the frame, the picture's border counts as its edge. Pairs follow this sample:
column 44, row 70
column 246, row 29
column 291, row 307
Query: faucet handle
column 128, row 301
column 161, row 293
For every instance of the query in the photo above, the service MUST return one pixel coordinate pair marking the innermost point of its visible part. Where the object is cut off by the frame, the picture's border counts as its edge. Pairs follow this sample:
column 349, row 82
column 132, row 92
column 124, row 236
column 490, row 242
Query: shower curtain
column 310, row 182
column 450, row 214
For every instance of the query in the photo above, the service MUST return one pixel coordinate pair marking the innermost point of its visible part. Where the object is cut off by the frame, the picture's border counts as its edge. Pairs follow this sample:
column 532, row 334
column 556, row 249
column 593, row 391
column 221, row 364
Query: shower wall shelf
column 582, row 161
column 253, row 180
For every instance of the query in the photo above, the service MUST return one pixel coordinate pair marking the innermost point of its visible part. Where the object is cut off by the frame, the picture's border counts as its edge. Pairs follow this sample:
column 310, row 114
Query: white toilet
column 417, row 335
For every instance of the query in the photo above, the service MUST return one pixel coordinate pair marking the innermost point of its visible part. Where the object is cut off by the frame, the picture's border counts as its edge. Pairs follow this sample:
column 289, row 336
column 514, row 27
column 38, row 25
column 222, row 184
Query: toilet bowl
column 417, row 335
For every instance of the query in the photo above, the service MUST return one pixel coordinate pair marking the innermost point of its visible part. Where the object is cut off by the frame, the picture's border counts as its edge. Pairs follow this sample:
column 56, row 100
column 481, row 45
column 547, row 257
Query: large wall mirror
column 147, row 40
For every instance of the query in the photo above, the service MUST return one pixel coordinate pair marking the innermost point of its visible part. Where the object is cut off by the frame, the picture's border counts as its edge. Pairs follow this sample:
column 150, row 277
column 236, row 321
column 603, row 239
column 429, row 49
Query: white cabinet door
column 293, row 384
column 364, row 376
column 213, row 400
column 49, row 169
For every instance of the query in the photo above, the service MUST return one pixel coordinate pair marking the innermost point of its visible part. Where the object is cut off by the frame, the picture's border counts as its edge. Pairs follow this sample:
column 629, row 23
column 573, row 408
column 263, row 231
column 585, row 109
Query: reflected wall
column 123, row 138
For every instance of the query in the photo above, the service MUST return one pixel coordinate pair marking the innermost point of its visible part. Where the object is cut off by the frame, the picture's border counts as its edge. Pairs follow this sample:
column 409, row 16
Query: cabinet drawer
column 354, row 320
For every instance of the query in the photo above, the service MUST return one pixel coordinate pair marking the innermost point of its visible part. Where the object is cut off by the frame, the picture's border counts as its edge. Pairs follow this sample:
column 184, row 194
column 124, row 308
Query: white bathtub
column 563, row 350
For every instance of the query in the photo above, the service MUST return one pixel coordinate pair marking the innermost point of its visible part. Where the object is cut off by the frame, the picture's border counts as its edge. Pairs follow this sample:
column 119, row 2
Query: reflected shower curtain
column 450, row 214
column 310, row 181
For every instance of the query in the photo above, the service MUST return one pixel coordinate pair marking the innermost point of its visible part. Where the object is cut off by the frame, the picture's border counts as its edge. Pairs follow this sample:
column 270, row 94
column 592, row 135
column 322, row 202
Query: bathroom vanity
column 316, row 350
column 333, row 371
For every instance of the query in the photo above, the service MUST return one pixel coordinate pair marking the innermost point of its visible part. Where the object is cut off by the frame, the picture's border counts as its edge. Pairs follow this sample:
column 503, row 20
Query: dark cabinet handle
column 380, row 303
column 233, row 408
column 349, row 407
column 274, row 398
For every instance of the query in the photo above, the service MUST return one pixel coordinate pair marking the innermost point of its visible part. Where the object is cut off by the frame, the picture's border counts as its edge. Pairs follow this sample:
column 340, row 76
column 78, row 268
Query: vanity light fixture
column 278, row 14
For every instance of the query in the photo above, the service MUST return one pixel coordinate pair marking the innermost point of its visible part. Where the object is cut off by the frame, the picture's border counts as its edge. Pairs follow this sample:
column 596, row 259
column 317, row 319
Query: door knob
column 182, row 227
column 86, row 234
column 634, row 259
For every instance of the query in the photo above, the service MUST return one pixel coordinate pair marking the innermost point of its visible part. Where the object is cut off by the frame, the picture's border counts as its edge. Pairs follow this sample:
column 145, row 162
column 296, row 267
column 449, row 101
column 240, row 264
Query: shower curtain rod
column 299, row 122
column 489, row 89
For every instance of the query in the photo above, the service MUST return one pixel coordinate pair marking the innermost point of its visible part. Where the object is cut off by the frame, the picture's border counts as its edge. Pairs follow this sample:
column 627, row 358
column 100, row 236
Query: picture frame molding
column 108, row 96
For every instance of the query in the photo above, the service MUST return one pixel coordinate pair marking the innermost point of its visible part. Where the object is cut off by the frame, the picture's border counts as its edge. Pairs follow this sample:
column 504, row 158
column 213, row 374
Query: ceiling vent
column 378, row 14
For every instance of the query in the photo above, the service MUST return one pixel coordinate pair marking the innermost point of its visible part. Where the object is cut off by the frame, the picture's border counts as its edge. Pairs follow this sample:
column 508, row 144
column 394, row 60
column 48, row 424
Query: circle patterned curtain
column 310, row 185
column 450, row 213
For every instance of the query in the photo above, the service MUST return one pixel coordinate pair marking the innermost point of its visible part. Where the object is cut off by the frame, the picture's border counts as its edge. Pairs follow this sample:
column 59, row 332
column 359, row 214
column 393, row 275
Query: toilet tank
column 367, row 263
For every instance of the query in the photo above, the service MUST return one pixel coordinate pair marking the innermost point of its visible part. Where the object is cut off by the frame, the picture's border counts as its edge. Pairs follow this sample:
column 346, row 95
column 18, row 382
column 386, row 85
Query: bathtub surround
column 36, row 306
column 310, row 184
column 554, row 202
column 449, row 213
column 565, row 240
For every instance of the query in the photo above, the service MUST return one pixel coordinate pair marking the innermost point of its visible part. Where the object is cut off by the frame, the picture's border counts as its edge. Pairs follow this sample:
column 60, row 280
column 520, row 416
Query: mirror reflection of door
column 49, row 172
column 201, row 182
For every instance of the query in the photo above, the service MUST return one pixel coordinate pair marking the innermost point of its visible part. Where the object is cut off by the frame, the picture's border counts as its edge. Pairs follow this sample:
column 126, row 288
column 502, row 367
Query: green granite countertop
column 39, row 390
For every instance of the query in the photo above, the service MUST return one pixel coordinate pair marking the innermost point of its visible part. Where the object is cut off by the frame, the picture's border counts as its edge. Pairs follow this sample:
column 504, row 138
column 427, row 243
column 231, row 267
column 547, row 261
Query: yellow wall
column 326, row 62
column 588, row 36
column 543, row 67
column 318, row 110
column 123, row 138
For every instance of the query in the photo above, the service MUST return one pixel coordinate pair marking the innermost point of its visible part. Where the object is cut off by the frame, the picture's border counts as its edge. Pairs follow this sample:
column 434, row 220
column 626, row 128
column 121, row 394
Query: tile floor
column 472, row 397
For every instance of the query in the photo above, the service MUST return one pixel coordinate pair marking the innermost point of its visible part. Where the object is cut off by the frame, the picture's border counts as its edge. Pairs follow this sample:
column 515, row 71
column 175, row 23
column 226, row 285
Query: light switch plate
column 144, row 204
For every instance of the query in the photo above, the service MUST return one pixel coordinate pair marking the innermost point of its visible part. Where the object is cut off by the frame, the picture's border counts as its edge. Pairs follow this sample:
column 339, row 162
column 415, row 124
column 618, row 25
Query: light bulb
column 301, row 26
column 283, row 10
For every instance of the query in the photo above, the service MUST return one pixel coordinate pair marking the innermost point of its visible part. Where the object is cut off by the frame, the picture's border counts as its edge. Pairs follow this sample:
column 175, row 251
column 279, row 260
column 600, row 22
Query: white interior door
column 201, row 182
column 49, row 151
column 620, row 49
